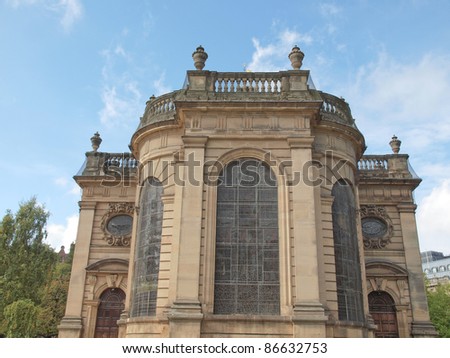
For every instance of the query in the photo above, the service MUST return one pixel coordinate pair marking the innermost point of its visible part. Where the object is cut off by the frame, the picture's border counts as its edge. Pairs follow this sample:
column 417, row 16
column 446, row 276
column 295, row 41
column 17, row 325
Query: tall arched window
column 346, row 252
column 247, row 278
column 148, row 246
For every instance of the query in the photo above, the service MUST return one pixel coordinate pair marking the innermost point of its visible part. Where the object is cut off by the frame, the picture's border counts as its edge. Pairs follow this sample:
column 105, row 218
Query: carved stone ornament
column 117, row 224
column 377, row 227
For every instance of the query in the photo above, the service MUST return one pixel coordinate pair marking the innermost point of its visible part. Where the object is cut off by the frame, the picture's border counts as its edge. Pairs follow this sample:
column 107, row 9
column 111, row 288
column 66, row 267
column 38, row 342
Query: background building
column 246, row 208
column 436, row 268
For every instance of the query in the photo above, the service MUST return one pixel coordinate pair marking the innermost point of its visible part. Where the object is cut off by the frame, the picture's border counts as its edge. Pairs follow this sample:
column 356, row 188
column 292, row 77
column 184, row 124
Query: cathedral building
column 246, row 208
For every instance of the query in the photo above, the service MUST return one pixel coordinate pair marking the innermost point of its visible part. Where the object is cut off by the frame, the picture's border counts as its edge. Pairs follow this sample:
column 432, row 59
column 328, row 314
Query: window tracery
column 247, row 251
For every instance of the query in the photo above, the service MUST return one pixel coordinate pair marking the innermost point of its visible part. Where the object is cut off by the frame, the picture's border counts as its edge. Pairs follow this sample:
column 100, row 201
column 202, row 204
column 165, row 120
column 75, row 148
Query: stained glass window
column 247, row 252
column 348, row 275
column 148, row 246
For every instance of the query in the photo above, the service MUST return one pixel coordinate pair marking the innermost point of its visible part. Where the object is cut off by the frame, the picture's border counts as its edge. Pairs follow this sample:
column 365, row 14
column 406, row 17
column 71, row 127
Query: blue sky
column 69, row 68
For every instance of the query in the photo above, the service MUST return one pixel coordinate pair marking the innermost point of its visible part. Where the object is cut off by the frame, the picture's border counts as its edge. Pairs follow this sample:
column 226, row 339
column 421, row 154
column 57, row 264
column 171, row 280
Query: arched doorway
column 111, row 305
column 382, row 310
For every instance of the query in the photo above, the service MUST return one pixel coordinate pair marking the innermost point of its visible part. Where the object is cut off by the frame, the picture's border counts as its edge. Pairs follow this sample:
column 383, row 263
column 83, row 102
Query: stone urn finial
column 96, row 141
column 395, row 144
column 296, row 56
column 199, row 57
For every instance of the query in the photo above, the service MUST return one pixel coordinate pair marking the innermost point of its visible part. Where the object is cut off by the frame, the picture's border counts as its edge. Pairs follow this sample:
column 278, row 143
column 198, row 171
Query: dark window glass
column 247, row 278
column 148, row 246
column 348, row 275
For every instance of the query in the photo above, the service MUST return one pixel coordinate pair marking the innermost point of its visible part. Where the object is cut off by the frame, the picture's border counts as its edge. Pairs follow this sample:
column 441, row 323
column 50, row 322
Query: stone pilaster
column 185, row 314
column 421, row 325
column 72, row 325
column 309, row 314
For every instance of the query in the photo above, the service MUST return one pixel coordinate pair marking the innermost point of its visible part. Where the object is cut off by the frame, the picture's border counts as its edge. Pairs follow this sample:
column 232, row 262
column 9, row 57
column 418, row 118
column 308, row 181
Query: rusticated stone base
column 423, row 330
column 185, row 320
column 70, row 327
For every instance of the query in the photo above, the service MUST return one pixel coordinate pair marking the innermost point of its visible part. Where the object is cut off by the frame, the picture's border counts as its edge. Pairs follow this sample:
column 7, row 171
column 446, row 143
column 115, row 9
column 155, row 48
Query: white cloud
column 121, row 104
column 17, row 3
column 274, row 56
column 120, row 95
column 61, row 182
column 160, row 86
column 75, row 190
column 409, row 100
column 408, row 90
column 432, row 219
column 119, row 50
column 67, row 184
column 63, row 234
column 69, row 11
column 329, row 9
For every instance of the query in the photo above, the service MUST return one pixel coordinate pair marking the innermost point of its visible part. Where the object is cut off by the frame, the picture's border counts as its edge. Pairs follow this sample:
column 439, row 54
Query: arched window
column 247, row 277
column 148, row 246
column 346, row 252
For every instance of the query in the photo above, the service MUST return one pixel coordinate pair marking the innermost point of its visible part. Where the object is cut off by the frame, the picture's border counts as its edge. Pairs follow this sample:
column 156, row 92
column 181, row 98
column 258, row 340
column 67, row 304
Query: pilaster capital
column 194, row 141
column 87, row 205
column 300, row 142
column 407, row 207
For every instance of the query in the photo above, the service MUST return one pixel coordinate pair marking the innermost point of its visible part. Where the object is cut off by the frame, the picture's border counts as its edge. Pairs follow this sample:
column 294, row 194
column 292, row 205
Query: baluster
column 218, row 86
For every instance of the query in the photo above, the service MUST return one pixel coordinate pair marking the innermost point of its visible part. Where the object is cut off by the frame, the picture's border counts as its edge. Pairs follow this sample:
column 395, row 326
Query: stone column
column 72, row 325
column 185, row 315
column 421, row 325
column 309, row 315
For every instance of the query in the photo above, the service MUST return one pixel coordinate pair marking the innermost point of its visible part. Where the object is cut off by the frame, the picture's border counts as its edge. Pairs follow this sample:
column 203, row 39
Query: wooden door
column 111, row 306
column 382, row 310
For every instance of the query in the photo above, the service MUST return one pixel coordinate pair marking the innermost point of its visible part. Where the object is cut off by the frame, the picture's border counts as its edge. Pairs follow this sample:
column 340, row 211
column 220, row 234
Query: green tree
column 439, row 307
column 54, row 298
column 26, row 261
column 21, row 319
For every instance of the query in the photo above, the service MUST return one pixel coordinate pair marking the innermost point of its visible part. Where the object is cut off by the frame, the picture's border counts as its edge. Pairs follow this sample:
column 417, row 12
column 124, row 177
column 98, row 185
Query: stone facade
column 337, row 233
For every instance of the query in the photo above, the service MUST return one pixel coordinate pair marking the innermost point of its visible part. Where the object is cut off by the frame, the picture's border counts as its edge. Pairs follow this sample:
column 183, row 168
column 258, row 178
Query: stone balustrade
column 392, row 166
column 283, row 86
column 159, row 109
column 252, row 82
column 102, row 163
column 120, row 160
column 336, row 109
column 373, row 162
column 161, row 105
